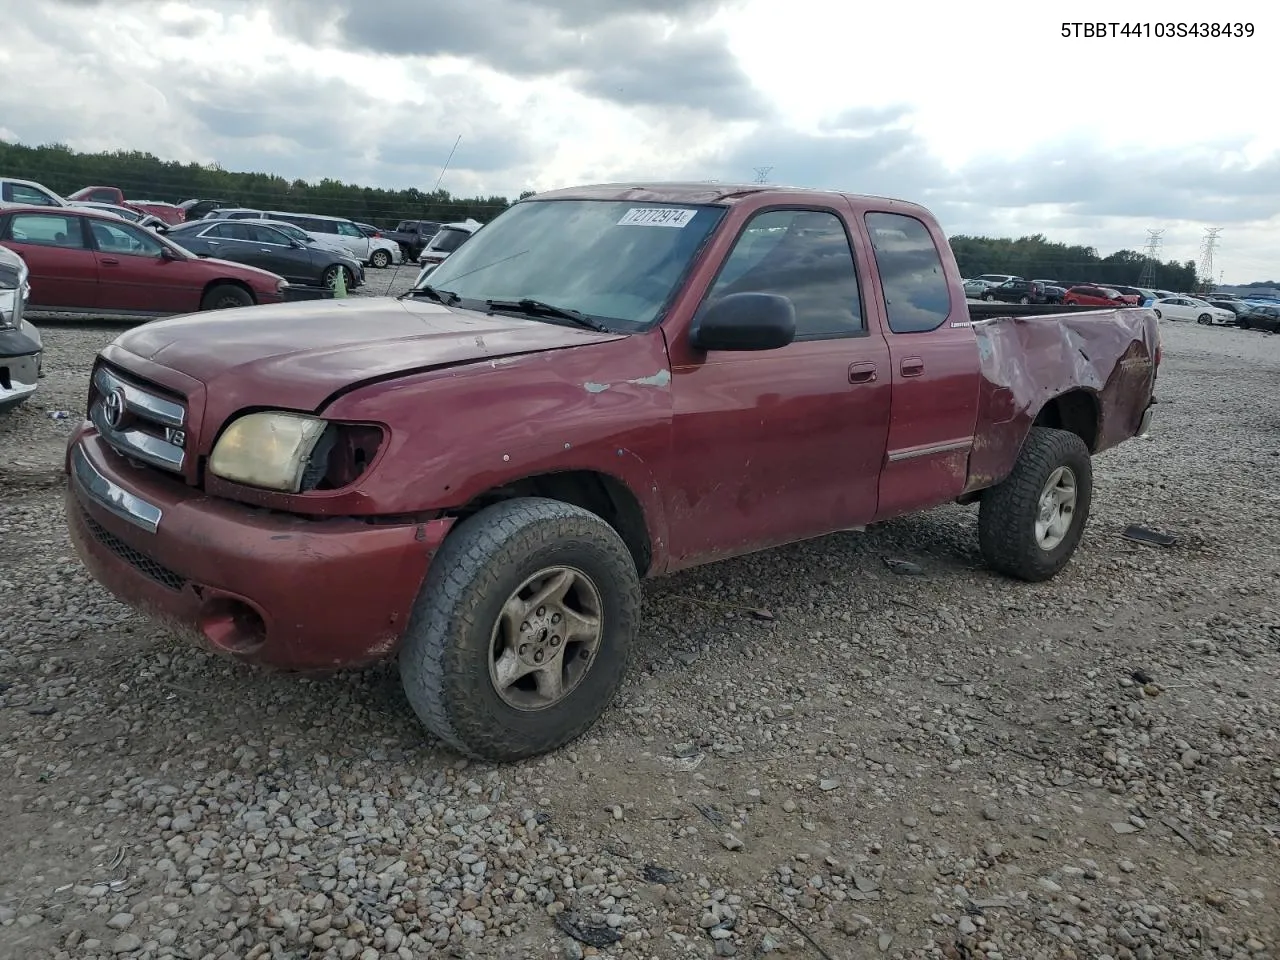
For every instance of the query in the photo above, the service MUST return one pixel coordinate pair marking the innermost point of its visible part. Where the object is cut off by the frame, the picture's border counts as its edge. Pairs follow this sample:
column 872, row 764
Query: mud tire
column 444, row 659
column 1007, row 515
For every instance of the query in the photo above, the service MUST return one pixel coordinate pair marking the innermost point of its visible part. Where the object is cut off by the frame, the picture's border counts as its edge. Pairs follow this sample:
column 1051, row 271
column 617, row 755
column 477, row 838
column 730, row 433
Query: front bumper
column 21, row 354
column 265, row 587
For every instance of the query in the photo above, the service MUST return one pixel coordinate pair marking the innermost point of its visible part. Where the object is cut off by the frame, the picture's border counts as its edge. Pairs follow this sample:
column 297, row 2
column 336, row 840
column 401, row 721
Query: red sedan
column 86, row 261
column 1098, row 297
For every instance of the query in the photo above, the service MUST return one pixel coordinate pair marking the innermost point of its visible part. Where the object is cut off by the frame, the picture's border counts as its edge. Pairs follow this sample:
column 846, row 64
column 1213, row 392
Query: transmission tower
column 762, row 174
column 1152, row 253
column 1208, row 247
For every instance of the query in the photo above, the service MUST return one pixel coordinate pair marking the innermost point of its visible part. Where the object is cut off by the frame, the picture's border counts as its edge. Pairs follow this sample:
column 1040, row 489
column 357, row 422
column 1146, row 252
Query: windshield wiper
column 535, row 308
column 447, row 297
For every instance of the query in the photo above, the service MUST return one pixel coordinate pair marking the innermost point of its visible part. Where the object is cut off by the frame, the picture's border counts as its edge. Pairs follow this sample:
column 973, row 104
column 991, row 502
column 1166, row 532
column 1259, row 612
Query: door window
column 348, row 230
column 917, row 298
column 21, row 193
column 229, row 231
column 47, row 230
column 124, row 239
column 268, row 235
column 803, row 255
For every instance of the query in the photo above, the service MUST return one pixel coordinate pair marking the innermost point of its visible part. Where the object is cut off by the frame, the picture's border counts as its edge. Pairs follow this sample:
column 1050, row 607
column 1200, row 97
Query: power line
column 1155, row 238
column 1208, row 247
column 762, row 174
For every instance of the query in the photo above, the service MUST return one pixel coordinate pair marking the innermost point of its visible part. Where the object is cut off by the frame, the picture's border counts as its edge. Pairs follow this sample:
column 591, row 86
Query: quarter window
column 803, row 255
column 348, row 230
column 917, row 297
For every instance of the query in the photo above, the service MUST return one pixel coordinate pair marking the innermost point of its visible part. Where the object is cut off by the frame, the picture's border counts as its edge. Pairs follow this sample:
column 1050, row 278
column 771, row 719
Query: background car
column 1017, row 291
column 1096, row 297
column 446, row 240
column 1189, row 308
column 84, row 261
column 21, row 349
column 133, row 216
column 1263, row 317
column 259, row 243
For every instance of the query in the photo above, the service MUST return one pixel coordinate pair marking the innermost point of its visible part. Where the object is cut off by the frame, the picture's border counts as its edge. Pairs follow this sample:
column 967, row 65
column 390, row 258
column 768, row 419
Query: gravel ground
column 812, row 746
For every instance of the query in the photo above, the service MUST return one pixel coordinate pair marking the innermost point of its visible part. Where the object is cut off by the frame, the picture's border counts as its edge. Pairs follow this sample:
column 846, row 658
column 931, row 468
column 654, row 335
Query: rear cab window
column 916, row 293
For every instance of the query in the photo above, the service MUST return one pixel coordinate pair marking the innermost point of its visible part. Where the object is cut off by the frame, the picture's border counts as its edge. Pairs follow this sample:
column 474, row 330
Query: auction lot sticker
column 656, row 217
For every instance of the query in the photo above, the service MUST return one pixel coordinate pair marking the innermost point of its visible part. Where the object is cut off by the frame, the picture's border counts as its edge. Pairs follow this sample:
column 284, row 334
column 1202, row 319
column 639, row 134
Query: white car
column 448, row 238
column 384, row 252
column 21, row 349
column 28, row 193
column 1189, row 308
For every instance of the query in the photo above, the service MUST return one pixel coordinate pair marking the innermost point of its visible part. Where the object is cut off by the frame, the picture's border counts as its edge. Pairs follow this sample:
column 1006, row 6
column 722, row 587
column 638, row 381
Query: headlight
column 293, row 452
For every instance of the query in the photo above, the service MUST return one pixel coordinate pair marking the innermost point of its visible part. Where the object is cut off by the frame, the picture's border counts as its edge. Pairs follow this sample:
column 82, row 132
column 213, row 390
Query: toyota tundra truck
column 607, row 383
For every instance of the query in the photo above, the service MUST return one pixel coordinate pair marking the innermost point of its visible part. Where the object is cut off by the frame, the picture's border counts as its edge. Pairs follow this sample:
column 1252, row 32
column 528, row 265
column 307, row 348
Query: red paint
column 723, row 453
column 89, row 279
column 170, row 213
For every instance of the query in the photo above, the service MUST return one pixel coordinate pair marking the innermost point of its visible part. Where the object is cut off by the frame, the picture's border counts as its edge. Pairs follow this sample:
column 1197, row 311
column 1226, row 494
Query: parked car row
column 339, row 232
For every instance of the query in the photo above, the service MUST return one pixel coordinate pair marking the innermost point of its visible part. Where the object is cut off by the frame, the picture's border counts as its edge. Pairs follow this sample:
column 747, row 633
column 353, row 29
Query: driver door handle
column 862, row 372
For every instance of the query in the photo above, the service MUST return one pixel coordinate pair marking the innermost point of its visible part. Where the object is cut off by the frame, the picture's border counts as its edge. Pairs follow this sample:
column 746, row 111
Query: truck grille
column 138, row 421
column 135, row 558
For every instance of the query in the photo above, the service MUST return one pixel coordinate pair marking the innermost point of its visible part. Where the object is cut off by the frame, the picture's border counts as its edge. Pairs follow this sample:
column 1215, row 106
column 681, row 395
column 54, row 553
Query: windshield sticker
column 657, row 217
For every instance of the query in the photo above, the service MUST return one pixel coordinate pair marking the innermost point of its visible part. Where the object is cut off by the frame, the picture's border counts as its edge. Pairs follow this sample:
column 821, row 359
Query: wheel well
column 1075, row 412
column 227, row 282
column 600, row 493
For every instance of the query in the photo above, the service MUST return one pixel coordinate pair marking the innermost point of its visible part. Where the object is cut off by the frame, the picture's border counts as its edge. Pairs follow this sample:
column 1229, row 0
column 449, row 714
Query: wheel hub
column 1056, row 509
column 546, row 638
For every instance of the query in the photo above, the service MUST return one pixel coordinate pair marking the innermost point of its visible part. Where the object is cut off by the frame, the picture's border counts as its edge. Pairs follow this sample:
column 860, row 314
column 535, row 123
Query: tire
column 1024, row 301
column 380, row 259
column 226, row 296
column 988, row 297
column 1204, row 320
column 330, row 278
column 1159, row 315
column 1007, row 518
column 447, row 658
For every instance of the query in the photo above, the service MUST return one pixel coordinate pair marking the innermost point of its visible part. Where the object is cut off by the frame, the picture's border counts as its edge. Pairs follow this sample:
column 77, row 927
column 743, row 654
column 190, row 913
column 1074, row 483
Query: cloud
column 630, row 53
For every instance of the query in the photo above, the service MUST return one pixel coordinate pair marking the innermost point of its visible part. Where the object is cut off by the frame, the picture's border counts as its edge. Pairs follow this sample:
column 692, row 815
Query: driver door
column 781, row 445
column 134, row 275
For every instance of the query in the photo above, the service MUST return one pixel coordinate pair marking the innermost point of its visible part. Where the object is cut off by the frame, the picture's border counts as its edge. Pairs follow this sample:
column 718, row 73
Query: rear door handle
column 862, row 372
column 912, row 367
column 112, row 261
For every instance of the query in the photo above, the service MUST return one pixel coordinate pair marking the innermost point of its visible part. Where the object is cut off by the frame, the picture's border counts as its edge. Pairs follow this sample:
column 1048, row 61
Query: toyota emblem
column 113, row 408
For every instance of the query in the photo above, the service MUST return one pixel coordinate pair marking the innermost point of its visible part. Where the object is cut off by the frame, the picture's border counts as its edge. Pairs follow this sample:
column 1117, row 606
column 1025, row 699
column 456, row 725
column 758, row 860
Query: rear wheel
column 1025, row 300
column 1030, row 524
column 380, row 259
column 521, row 634
column 988, row 297
column 226, row 296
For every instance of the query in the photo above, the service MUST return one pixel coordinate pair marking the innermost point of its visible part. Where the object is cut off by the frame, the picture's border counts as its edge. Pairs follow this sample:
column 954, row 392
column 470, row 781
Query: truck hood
column 299, row 354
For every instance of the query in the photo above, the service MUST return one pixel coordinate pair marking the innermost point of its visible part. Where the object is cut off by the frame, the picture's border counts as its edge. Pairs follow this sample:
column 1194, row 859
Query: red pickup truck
column 605, row 384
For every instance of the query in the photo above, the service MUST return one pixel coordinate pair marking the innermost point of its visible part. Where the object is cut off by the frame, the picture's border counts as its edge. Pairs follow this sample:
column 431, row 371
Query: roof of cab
column 711, row 192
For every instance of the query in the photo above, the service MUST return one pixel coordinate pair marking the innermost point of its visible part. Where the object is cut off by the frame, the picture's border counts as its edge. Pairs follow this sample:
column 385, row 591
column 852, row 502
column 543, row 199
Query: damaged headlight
column 293, row 452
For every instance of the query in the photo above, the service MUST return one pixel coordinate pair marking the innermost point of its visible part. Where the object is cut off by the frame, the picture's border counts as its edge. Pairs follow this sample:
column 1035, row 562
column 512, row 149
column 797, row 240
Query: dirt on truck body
column 604, row 384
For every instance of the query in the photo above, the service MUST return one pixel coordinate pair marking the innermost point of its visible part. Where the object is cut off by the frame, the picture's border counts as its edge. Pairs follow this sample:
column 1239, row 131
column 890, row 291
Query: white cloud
column 987, row 115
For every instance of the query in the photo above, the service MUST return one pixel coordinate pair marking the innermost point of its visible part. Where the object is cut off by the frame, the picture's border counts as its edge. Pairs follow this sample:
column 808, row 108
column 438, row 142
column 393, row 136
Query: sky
column 982, row 112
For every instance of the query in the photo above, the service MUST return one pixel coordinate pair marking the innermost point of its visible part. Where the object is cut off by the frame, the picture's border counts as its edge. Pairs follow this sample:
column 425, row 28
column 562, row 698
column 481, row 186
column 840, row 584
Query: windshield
column 292, row 232
column 618, row 261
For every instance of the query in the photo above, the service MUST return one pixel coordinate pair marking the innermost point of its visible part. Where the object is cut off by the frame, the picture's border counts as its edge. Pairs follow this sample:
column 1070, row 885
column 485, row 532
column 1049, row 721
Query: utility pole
column 1152, row 253
column 1208, row 248
column 762, row 174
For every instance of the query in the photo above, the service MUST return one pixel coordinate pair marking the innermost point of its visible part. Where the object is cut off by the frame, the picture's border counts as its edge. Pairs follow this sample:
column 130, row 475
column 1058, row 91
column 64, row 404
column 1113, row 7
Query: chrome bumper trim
column 1144, row 426
column 111, row 496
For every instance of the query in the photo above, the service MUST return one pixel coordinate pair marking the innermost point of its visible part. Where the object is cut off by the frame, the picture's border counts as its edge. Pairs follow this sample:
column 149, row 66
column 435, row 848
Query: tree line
column 143, row 176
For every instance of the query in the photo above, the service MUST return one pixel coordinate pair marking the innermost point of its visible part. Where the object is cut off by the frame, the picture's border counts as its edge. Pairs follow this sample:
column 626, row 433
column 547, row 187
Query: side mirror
column 746, row 321
column 296, row 244
column 167, row 254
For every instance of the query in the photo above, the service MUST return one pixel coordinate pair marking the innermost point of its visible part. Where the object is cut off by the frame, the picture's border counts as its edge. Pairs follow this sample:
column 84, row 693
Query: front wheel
column 1030, row 524
column 330, row 278
column 1204, row 320
column 521, row 634
column 380, row 259
column 988, row 297
column 226, row 296
column 1025, row 300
